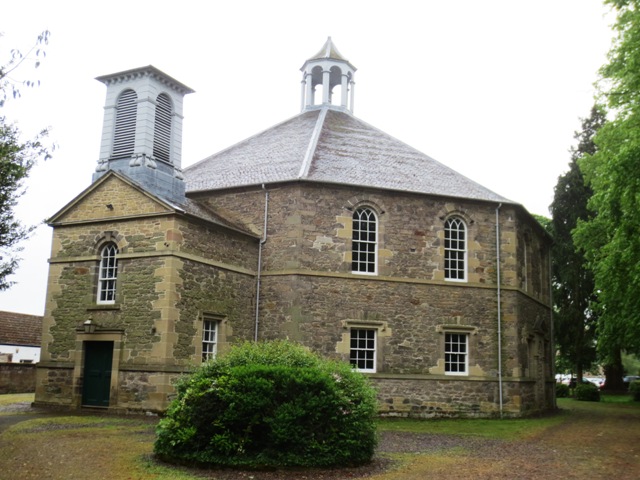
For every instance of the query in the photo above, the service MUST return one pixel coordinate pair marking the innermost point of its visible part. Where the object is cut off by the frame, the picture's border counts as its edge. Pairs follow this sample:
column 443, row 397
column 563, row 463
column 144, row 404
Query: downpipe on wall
column 499, row 295
column 263, row 240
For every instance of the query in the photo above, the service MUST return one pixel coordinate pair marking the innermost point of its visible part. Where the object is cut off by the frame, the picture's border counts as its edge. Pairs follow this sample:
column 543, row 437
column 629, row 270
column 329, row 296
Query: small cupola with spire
column 142, row 130
column 327, row 69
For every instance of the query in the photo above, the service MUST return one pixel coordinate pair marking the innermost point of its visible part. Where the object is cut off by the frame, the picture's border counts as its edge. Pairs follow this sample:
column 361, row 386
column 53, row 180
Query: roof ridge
column 313, row 143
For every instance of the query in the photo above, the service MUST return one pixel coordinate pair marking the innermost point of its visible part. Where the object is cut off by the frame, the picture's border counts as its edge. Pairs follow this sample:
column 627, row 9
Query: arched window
column 125, row 128
column 364, row 245
column 455, row 249
column 108, row 274
column 162, row 129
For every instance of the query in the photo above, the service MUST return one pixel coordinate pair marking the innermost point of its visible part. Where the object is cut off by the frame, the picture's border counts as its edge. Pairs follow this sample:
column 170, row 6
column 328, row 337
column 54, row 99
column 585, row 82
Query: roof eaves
column 498, row 201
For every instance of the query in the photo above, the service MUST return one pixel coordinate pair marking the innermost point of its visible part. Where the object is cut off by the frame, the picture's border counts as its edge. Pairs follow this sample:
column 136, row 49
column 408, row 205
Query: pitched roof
column 187, row 206
column 20, row 329
column 331, row 146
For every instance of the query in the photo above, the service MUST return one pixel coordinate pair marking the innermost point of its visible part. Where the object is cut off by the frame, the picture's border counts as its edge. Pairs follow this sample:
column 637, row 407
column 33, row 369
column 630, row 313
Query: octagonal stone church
column 323, row 230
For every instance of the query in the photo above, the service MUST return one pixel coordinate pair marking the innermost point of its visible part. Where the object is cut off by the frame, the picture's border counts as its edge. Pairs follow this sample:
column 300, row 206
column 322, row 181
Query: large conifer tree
column 575, row 320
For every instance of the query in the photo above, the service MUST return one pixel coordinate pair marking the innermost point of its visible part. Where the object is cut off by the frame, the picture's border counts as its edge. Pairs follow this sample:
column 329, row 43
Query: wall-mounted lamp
column 110, row 206
column 89, row 326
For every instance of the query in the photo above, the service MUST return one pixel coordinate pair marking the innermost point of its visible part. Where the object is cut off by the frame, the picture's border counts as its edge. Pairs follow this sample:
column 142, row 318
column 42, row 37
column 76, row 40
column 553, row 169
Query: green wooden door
column 97, row 373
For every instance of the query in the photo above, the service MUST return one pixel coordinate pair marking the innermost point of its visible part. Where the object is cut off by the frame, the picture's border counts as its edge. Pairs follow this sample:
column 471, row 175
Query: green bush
column 634, row 390
column 587, row 392
column 562, row 390
column 270, row 404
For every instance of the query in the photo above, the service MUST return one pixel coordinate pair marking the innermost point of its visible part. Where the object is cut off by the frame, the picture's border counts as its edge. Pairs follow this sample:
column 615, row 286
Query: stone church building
column 323, row 230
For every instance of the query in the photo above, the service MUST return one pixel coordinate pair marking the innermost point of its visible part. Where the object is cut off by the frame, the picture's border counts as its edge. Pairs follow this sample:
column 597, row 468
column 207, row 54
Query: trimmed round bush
column 562, row 390
column 634, row 390
column 270, row 404
column 587, row 392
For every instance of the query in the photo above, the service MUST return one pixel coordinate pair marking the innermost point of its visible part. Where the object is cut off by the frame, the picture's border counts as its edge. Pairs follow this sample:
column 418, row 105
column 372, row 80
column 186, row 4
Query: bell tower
column 327, row 69
column 142, row 130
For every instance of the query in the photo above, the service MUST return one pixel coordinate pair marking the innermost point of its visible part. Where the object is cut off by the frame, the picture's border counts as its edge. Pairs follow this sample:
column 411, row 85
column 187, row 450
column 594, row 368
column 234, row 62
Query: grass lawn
column 592, row 439
column 506, row 429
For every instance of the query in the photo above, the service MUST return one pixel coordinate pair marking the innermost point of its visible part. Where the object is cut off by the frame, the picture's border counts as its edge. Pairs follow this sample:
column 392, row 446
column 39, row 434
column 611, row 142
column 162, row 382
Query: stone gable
column 110, row 199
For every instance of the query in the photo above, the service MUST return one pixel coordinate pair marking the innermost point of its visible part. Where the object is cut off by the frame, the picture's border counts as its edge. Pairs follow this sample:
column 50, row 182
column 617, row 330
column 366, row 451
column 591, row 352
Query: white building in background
column 20, row 337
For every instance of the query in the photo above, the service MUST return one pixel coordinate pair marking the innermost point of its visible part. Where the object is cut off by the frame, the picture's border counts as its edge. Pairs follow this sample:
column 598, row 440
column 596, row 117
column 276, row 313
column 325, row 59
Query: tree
column 270, row 404
column 17, row 157
column 610, row 238
column 8, row 83
column 574, row 286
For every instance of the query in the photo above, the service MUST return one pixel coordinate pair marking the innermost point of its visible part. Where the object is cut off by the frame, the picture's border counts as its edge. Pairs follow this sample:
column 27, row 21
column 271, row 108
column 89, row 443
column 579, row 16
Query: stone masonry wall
column 54, row 385
column 228, row 295
column 317, row 310
column 17, row 378
column 133, row 311
column 309, row 294
column 221, row 245
column 170, row 271
column 533, row 259
column 425, row 398
column 309, row 228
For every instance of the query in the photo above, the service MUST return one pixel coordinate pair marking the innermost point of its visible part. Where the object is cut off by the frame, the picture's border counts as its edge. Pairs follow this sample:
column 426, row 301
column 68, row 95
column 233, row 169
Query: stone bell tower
column 327, row 69
column 142, row 130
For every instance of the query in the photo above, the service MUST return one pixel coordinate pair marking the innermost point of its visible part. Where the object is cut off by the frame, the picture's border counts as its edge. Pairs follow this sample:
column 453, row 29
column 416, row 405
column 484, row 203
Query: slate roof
column 331, row 146
column 20, row 329
column 201, row 211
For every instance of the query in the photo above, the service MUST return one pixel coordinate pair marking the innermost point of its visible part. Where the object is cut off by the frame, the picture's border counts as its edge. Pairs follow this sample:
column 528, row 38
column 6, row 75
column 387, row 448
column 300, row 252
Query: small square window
column 362, row 354
column 209, row 339
column 456, row 353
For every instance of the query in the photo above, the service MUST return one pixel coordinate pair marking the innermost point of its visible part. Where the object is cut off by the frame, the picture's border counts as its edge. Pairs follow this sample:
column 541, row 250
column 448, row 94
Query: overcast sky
column 494, row 89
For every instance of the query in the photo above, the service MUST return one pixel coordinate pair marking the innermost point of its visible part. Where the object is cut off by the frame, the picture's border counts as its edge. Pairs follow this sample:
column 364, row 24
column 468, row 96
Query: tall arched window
column 455, row 249
column 162, row 131
column 364, row 243
column 108, row 274
column 124, row 136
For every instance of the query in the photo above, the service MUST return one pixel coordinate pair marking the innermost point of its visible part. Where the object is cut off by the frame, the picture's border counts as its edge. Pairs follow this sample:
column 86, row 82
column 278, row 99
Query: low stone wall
column 424, row 397
column 17, row 378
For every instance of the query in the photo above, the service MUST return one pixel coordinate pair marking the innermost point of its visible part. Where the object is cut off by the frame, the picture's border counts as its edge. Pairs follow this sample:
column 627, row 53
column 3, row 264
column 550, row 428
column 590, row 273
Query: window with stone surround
column 456, row 353
column 364, row 245
column 362, row 353
column 210, row 327
column 108, row 274
column 455, row 250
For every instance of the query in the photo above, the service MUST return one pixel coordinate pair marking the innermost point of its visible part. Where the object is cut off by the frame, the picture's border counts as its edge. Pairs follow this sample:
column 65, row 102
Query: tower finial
column 329, row 69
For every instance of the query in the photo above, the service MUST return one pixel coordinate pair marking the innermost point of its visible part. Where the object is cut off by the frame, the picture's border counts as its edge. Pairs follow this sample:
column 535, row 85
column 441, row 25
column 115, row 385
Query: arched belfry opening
column 327, row 80
column 142, row 130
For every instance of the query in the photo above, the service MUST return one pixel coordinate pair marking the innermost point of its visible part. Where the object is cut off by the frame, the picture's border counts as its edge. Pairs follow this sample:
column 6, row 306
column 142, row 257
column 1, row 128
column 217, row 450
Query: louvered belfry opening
column 142, row 130
column 162, row 132
column 125, row 128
